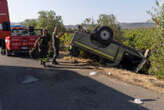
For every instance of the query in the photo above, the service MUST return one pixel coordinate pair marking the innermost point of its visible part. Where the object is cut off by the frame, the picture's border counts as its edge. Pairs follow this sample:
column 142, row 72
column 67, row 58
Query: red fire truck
column 4, row 22
column 15, row 39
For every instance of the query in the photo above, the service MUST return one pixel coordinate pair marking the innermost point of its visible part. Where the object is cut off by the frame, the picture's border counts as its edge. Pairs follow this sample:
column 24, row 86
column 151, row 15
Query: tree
column 46, row 19
column 30, row 22
column 49, row 19
column 110, row 20
column 42, row 20
column 89, row 24
column 157, row 57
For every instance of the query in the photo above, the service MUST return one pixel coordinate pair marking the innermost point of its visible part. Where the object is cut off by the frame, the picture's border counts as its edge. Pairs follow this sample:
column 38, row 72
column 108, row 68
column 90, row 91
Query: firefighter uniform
column 43, row 45
column 3, row 49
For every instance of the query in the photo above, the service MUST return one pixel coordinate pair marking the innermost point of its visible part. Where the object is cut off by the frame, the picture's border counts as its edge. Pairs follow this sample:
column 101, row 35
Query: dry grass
column 73, row 59
column 145, row 81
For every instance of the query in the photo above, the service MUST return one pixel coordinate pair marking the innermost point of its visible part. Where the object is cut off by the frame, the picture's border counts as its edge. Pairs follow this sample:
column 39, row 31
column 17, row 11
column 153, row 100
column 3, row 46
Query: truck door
column 4, row 19
column 4, row 23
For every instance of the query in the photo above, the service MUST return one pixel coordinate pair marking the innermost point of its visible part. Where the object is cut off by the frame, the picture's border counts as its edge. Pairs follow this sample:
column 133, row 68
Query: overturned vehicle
column 100, row 42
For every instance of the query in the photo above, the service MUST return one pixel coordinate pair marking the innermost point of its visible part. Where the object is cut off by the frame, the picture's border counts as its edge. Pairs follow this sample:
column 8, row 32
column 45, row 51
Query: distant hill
column 15, row 23
column 136, row 25
column 126, row 25
column 71, row 26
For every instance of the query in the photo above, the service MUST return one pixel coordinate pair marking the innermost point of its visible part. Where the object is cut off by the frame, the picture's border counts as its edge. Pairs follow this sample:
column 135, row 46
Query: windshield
column 24, row 32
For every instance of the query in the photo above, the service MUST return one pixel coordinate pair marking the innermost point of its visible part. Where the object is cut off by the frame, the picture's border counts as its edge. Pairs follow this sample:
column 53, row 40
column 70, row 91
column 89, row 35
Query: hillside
column 136, row 25
column 126, row 25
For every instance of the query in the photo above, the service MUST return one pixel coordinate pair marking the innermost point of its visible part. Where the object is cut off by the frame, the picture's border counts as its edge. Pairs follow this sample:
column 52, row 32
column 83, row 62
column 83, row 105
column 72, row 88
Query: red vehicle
column 17, row 39
column 4, row 22
column 21, row 40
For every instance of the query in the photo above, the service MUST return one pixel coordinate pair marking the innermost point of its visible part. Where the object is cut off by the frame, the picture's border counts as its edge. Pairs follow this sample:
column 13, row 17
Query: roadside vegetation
column 157, row 57
column 143, row 39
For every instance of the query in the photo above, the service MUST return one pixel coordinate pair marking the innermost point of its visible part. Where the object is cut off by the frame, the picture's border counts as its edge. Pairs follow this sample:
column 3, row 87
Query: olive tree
column 30, row 22
column 46, row 19
column 49, row 19
column 89, row 23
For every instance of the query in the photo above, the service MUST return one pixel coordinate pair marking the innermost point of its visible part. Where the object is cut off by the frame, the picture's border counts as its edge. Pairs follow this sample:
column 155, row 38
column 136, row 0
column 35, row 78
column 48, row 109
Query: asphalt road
column 66, row 87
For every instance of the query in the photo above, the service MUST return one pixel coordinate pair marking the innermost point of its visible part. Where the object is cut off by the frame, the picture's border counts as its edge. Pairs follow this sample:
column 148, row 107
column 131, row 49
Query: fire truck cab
column 4, row 22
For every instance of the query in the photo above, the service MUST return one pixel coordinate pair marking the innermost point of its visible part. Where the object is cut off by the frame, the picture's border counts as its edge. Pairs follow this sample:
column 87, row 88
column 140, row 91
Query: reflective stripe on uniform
column 43, row 59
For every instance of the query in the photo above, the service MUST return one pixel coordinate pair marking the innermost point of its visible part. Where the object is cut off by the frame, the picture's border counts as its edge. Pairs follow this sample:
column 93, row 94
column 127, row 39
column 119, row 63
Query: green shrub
column 148, row 39
column 143, row 38
column 66, row 40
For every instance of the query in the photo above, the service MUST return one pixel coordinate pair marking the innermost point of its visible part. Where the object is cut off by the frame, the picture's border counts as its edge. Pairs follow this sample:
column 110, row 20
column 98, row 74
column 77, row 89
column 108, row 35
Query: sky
column 75, row 11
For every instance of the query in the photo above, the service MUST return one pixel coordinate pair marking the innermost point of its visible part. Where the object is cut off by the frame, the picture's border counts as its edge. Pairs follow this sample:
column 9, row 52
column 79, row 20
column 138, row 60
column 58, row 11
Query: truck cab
column 4, row 22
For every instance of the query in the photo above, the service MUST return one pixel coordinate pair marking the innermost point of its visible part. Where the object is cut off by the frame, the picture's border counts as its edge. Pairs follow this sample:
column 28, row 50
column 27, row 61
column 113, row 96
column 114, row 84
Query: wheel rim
column 105, row 35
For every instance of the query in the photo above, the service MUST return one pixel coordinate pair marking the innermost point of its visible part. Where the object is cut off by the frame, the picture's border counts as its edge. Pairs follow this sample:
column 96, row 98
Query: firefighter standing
column 56, row 43
column 42, row 45
column 3, row 49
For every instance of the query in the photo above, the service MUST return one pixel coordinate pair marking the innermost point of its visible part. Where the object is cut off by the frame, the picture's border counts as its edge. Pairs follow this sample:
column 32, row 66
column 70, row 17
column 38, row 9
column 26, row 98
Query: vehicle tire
column 8, row 52
column 74, row 51
column 103, row 35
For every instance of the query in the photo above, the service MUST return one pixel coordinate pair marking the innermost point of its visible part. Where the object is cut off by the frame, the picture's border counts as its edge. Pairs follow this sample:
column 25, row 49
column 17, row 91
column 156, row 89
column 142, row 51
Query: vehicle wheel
column 74, row 51
column 104, row 35
column 8, row 52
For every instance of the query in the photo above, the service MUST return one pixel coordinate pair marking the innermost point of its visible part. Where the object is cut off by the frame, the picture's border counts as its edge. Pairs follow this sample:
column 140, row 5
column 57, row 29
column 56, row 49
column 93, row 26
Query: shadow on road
column 20, row 55
column 58, row 90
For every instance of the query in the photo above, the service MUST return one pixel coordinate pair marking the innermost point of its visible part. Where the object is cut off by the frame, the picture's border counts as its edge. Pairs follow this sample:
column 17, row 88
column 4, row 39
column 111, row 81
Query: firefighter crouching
column 42, row 44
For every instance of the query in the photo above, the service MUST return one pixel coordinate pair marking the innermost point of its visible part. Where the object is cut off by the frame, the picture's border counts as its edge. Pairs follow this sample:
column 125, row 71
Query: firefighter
column 42, row 44
column 56, row 43
column 3, row 49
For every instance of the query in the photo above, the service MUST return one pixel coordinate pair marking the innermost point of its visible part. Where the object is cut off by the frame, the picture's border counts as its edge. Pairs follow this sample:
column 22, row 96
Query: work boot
column 3, row 51
column 44, row 64
column 41, row 63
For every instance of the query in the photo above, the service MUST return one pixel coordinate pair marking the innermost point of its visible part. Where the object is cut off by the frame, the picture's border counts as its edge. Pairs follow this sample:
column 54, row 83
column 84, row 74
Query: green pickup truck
column 100, row 42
